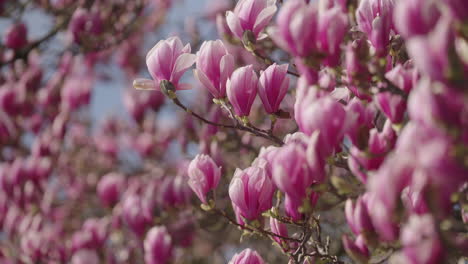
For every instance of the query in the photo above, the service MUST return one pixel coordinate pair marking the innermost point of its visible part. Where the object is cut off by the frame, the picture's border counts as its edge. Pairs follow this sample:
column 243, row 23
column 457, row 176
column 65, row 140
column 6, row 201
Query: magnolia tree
column 354, row 151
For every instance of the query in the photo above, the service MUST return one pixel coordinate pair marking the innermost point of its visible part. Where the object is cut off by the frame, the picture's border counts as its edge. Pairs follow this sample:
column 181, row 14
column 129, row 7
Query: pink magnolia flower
column 293, row 205
column 357, row 249
column 385, row 187
column 110, row 188
column 242, row 89
column 357, row 215
column 15, row 37
column 332, row 28
column 290, row 171
column 305, row 30
column 392, row 105
column 357, row 72
column 251, row 192
column 278, row 228
column 247, row 256
column 253, row 15
column 85, row 256
column 363, row 117
column 403, row 76
column 297, row 28
column 322, row 114
column 415, row 17
column 378, row 145
column 158, row 246
column 375, row 18
column 459, row 8
column 430, row 53
column 167, row 60
column 137, row 214
column 273, row 85
column 435, row 105
column 204, row 175
column 214, row 66
column 420, row 240
column 265, row 159
column 76, row 92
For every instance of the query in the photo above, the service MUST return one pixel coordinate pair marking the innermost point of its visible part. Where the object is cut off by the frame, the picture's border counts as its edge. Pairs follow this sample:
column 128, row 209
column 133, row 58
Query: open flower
column 168, row 60
column 252, row 15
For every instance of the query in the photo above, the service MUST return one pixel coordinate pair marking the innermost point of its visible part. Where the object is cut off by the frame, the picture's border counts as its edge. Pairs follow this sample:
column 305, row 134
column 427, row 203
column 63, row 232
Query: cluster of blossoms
column 354, row 151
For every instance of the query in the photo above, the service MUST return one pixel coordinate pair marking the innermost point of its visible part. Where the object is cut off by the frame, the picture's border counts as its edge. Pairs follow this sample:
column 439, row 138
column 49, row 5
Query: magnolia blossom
column 252, row 15
column 158, row 246
column 375, row 18
column 167, row 60
column 273, row 85
column 242, row 89
column 251, row 192
column 247, row 256
column 214, row 66
column 204, row 175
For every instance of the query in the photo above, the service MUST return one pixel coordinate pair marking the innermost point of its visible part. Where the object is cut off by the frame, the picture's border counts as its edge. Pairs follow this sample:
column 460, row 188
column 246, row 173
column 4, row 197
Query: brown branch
column 253, row 130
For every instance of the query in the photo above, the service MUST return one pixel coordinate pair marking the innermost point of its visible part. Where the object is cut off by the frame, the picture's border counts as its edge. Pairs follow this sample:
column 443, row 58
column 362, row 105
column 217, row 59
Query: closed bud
column 242, row 90
column 16, row 36
column 357, row 252
column 357, row 216
column 273, row 85
column 110, row 188
column 137, row 213
column 204, row 176
column 375, row 18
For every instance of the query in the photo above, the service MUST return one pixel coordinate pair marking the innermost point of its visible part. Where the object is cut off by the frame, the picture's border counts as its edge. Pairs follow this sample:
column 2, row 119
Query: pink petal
column 263, row 19
column 234, row 24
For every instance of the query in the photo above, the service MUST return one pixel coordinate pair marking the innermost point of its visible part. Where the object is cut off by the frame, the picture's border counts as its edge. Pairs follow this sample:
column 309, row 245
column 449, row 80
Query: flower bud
column 136, row 212
column 375, row 18
column 204, row 176
column 251, row 191
column 356, row 249
column 278, row 228
column 291, row 173
column 297, row 28
column 247, row 256
column 110, row 188
column 363, row 118
column 325, row 115
column 16, row 36
column 242, row 89
column 158, row 246
column 332, row 28
column 273, row 85
column 357, row 216
column 214, row 66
